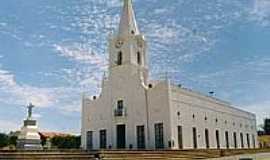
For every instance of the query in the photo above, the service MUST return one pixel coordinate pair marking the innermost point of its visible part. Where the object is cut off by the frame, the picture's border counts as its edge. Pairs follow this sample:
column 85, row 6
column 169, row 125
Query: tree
column 12, row 140
column 3, row 140
column 68, row 142
column 267, row 126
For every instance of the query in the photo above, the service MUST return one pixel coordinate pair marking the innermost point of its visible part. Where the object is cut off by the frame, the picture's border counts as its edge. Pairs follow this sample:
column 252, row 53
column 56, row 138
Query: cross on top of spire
column 128, row 23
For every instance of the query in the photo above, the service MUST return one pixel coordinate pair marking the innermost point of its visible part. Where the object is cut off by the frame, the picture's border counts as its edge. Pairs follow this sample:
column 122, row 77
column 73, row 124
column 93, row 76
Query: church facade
column 134, row 113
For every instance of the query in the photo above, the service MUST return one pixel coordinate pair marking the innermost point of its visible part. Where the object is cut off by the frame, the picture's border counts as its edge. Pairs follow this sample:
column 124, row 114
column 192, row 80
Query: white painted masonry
column 129, row 98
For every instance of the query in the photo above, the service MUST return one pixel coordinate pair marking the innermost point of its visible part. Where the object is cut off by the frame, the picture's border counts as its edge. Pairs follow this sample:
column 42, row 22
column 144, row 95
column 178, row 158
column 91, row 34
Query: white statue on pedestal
column 30, row 110
column 29, row 137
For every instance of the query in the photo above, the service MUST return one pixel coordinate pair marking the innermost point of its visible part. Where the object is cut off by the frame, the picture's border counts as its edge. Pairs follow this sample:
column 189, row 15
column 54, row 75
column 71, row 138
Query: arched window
column 207, row 143
column 120, row 104
column 139, row 60
column 119, row 58
column 235, row 139
column 242, row 140
column 195, row 143
column 217, row 139
column 119, row 111
column 227, row 139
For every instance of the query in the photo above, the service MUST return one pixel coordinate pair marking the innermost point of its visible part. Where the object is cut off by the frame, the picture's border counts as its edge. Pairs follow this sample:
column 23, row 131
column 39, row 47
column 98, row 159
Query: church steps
column 164, row 155
column 45, row 155
column 122, row 154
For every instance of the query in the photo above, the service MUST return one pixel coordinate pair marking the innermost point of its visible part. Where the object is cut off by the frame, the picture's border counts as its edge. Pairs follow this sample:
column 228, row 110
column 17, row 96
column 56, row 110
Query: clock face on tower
column 119, row 43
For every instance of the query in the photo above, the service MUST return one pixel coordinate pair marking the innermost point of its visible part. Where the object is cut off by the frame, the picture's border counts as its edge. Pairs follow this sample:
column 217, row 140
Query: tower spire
column 128, row 23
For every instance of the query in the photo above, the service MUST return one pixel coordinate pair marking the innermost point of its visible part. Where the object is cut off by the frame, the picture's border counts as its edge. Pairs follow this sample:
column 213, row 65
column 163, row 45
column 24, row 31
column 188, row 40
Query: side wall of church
column 190, row 110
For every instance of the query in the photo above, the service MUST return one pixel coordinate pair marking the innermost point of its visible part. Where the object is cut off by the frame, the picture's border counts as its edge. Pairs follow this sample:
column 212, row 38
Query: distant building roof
column 52, row 134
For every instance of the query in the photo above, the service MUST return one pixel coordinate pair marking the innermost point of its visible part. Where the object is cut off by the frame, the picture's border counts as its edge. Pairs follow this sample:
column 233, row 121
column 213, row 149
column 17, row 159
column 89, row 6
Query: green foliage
column 43, row 141
column 3, row 140
column 7, row 140
column 68, row 142
column 12, row 140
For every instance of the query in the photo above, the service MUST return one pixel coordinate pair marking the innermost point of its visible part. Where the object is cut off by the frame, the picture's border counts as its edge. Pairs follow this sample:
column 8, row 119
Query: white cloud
column 65, row 99
column 75, row 106
column 164, row 34
column 7, row 126
column 160, row 10
column 36, row 116
column 86, row 74
column 3, row 24
column 261, row 12
column 262, row 7
column 253, row 85
column 12, row 92
column 81, row 53
column 261, row 109
column 256, row 65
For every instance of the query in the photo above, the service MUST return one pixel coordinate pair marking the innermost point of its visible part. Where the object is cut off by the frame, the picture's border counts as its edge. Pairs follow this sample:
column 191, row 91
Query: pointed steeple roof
column 128, row 23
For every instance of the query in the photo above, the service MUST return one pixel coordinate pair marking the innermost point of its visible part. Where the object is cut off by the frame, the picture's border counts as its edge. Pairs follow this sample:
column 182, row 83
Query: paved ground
column 261, row 156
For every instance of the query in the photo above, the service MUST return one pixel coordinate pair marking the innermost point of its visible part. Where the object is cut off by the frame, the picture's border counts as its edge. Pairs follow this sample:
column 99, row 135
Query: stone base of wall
column 259, row 156
column 29, row 144
column 135, row 155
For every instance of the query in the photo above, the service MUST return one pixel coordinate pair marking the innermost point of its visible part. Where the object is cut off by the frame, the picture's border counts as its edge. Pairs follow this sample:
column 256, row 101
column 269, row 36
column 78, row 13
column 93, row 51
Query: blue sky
column 51, row 52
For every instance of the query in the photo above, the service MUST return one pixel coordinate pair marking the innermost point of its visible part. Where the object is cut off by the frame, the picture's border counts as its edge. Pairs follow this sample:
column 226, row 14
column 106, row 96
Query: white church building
column 132, row 112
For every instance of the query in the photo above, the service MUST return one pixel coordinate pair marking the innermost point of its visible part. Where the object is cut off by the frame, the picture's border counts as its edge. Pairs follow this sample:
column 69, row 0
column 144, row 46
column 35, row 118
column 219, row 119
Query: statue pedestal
column 29, row 137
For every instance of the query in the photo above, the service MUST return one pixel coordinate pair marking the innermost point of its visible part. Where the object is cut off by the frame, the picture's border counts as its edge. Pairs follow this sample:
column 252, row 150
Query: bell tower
column 127, row 48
